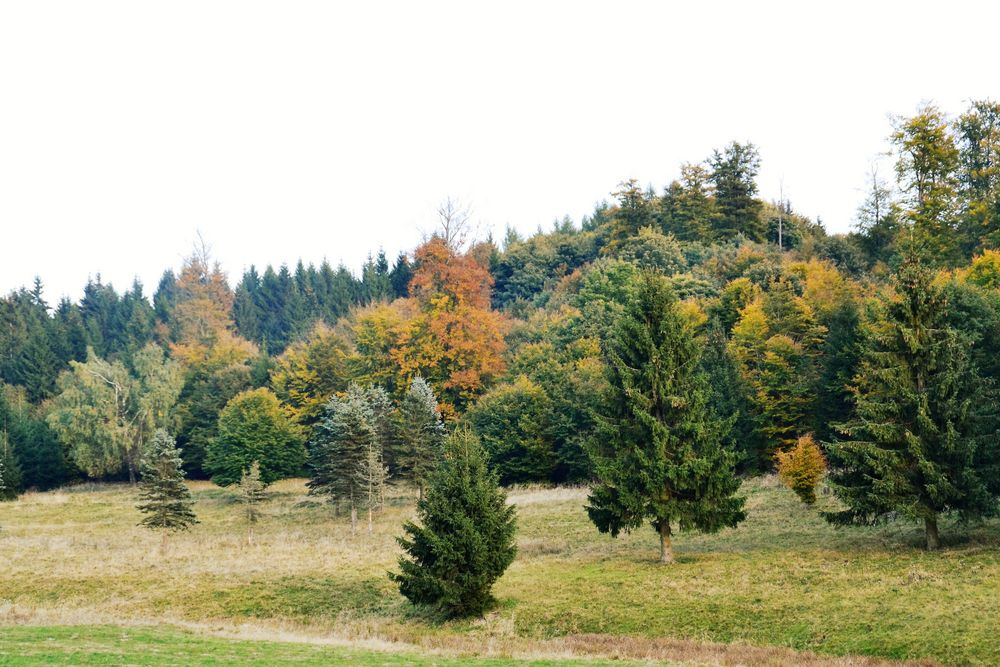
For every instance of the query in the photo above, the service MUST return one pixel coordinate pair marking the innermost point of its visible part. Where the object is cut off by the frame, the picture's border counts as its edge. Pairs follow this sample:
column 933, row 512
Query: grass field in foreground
column 782, row 579
column 110, row 645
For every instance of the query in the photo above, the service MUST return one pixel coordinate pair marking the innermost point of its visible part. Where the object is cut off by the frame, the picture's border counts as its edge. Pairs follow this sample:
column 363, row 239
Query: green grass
column 784, row 578
column 110, row 645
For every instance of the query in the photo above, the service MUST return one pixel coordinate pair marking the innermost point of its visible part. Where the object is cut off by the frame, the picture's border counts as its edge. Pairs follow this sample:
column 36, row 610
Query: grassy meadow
column 77, row 575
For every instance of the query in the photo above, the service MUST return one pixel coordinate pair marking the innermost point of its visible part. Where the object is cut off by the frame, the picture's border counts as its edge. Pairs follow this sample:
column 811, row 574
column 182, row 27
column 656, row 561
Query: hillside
column 783, row 586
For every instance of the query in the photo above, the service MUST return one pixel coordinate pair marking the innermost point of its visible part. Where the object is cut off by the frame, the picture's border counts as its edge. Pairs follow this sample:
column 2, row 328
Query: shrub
column 802, row 467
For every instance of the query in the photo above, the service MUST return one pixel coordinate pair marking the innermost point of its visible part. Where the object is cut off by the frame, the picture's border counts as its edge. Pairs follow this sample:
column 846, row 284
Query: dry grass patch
column 784, row 586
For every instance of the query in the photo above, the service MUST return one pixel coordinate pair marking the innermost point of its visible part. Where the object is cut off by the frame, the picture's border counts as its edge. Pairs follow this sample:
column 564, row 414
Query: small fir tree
column 163, row 496
column 252, row 493
column 465, row 539
column 420, row 434
column 922, row 439
column 802, row 468
column 660, row 456
column 10, row 471
column 372, row 475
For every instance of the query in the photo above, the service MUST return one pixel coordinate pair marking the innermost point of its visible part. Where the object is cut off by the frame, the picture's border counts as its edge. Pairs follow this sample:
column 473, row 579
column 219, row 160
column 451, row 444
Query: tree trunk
column 369, row 520
column 931, row 531
column 354, row 520
column 666, row 549
column 250, row 536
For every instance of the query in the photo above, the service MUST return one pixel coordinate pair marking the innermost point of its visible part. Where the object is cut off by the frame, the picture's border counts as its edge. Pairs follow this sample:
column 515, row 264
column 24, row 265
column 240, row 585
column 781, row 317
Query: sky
column 312, row 130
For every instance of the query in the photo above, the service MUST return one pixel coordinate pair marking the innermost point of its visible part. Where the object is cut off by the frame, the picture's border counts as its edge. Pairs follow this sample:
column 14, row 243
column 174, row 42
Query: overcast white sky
column 322, row 129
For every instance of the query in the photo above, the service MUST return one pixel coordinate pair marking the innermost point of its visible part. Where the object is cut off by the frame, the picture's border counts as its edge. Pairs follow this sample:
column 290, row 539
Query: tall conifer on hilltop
column 660, row 456
column 922, row 440
column 163, row 496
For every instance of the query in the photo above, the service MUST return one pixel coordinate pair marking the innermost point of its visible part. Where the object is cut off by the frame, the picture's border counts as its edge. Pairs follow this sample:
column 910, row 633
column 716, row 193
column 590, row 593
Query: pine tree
column 252, row 493
column 922, row 438
column 420, row 434
column 163, row 496
column 659, row 455
column 465, row 538
column 338, row 450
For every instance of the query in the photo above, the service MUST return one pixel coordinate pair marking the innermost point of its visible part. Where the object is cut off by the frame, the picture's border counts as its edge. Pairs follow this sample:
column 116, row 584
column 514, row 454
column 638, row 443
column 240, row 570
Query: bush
column 802, row 468
column 253, row 427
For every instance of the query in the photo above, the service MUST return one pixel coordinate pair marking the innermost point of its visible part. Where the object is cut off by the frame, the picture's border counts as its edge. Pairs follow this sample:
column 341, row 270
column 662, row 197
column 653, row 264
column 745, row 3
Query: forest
column 454, row 456
column 817, row 354
column 661, row 349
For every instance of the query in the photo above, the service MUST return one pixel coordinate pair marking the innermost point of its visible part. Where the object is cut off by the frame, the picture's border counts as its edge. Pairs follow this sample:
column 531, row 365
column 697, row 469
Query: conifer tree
column 10, row 471
column 372, row 476
column 163, row 496
column 420, row 434
column 465, row 538
column 922, row 440
column 252, row 493
column 660, row 455
column 734, row 175
column 338, row 450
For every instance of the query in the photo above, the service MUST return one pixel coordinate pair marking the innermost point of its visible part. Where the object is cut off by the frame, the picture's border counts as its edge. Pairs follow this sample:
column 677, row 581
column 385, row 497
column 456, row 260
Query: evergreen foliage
column 163, row 496
column 420, row 434
column 10, row 470
column 253, row 494
column 922, row 440
column 660, row 456
column 346, row 450
column 465, row 538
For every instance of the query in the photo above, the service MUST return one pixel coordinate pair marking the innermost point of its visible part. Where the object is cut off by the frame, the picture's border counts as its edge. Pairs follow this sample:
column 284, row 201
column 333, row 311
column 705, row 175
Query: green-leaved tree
column 254, row 427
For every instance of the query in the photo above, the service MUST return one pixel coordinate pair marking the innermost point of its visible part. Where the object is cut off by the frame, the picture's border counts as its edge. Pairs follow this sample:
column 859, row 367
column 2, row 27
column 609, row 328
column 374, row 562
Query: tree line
column 858, row 352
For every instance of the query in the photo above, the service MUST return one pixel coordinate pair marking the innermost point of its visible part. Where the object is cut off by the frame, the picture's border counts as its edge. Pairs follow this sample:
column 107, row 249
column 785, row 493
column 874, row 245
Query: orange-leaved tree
column 455, row 341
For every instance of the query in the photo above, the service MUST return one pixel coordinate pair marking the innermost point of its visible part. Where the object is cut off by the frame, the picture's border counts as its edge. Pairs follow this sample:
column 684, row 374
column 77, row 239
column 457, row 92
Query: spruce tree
column 465, row 538
column 734, row 175
column 660, row 455
column 163, row 496
column 339, row 448
column 252, row 493
column 420, row 433
column 11, row 469
column 922, row 440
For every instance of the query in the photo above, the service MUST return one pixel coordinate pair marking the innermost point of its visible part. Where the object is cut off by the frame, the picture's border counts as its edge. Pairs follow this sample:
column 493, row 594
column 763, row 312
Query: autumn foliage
column 802, row 467
column 456, row 342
